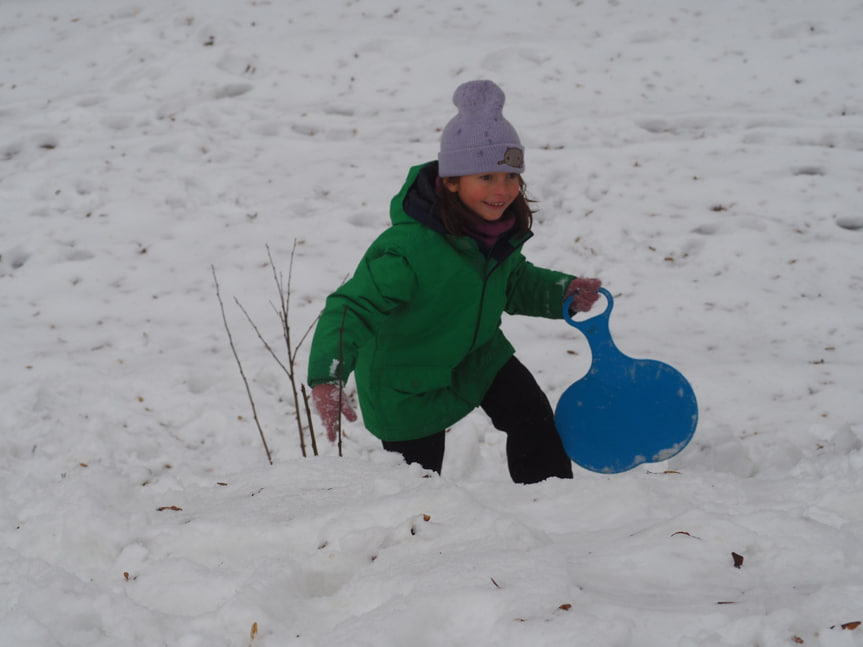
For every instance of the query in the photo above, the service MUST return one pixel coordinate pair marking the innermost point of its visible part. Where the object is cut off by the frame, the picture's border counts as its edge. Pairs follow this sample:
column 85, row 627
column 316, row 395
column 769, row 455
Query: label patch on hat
column 513, row 157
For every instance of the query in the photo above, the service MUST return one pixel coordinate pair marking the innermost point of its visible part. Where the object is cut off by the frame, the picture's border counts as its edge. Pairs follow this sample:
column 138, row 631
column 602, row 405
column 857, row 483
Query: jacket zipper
column 486, row 276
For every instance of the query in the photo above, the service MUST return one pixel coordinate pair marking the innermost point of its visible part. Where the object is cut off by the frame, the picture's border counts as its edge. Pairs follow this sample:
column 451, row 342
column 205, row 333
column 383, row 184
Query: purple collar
column 488, row 232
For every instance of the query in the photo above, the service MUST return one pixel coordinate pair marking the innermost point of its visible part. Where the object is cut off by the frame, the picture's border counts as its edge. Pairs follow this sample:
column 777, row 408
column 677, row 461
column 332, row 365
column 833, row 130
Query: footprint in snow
column 16, row 258
column 809, row 170
column 852, row 223
column 232, row 90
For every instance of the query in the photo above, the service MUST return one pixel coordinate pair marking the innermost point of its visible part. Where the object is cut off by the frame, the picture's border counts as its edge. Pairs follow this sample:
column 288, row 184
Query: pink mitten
column 584, row 293
column 326, row 399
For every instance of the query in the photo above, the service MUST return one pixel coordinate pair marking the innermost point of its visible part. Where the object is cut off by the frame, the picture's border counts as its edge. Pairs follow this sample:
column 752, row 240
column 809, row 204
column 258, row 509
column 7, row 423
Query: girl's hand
column 326, row 399
column 584, row 293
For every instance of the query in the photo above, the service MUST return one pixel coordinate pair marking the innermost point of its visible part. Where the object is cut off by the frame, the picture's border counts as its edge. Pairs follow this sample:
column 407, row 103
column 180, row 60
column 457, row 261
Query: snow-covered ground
column 705, row 159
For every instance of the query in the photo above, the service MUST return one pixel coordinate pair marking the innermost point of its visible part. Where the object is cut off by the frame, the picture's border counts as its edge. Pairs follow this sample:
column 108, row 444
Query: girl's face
column 488, row 194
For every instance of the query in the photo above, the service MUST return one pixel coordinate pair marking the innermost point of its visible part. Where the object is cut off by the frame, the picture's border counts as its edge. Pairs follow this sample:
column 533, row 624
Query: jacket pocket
column 415, row 380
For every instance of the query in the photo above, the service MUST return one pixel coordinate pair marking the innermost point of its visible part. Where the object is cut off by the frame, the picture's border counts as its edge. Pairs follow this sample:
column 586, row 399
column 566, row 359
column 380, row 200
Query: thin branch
column 279, row 313
column 284, row 300
column 309, row 418
column 308, row 330
column 240, row 365
column 261, row 337
column 282, row 312
column 290, row 275
column 341, row 384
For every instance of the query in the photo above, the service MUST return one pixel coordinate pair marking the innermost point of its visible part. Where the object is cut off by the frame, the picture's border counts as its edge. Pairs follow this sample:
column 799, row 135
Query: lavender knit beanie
column 478, row 139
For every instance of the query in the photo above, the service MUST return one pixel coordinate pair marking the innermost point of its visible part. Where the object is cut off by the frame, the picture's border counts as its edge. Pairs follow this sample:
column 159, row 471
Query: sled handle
column 588, row 324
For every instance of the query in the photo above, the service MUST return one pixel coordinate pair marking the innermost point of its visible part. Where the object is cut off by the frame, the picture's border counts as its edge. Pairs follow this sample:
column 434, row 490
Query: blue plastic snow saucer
column 624, row 411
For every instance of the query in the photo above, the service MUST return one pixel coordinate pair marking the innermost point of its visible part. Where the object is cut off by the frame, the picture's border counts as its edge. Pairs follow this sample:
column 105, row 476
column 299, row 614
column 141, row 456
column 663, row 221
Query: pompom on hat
column 478, row 139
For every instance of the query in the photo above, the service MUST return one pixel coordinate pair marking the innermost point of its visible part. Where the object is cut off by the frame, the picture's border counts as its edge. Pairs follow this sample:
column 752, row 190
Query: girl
column 419, row 322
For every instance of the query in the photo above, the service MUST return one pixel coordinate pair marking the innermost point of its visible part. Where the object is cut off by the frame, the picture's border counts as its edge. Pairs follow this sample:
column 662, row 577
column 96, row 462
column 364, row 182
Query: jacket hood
column 420, row 201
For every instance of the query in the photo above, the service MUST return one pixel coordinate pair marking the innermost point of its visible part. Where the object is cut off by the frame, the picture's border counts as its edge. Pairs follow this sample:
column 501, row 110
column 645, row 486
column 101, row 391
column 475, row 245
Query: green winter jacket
column 419, row 322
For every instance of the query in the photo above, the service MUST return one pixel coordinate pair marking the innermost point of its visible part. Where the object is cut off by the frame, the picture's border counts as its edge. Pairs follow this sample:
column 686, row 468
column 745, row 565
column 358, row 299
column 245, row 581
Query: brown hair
column 455, row 213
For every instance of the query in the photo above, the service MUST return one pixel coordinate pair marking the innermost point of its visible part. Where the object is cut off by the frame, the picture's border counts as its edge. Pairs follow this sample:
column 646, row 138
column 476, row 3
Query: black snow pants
column 518, row 407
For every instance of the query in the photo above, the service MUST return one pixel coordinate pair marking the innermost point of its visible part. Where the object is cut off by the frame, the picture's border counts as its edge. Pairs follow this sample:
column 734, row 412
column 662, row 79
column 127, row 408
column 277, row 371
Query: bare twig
column 309, row 419
column 289, row 373
column 285, row 299
column 282, row 312
column 240, row 365
column 261, row 337
column 284, row 302
column 341, row 384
